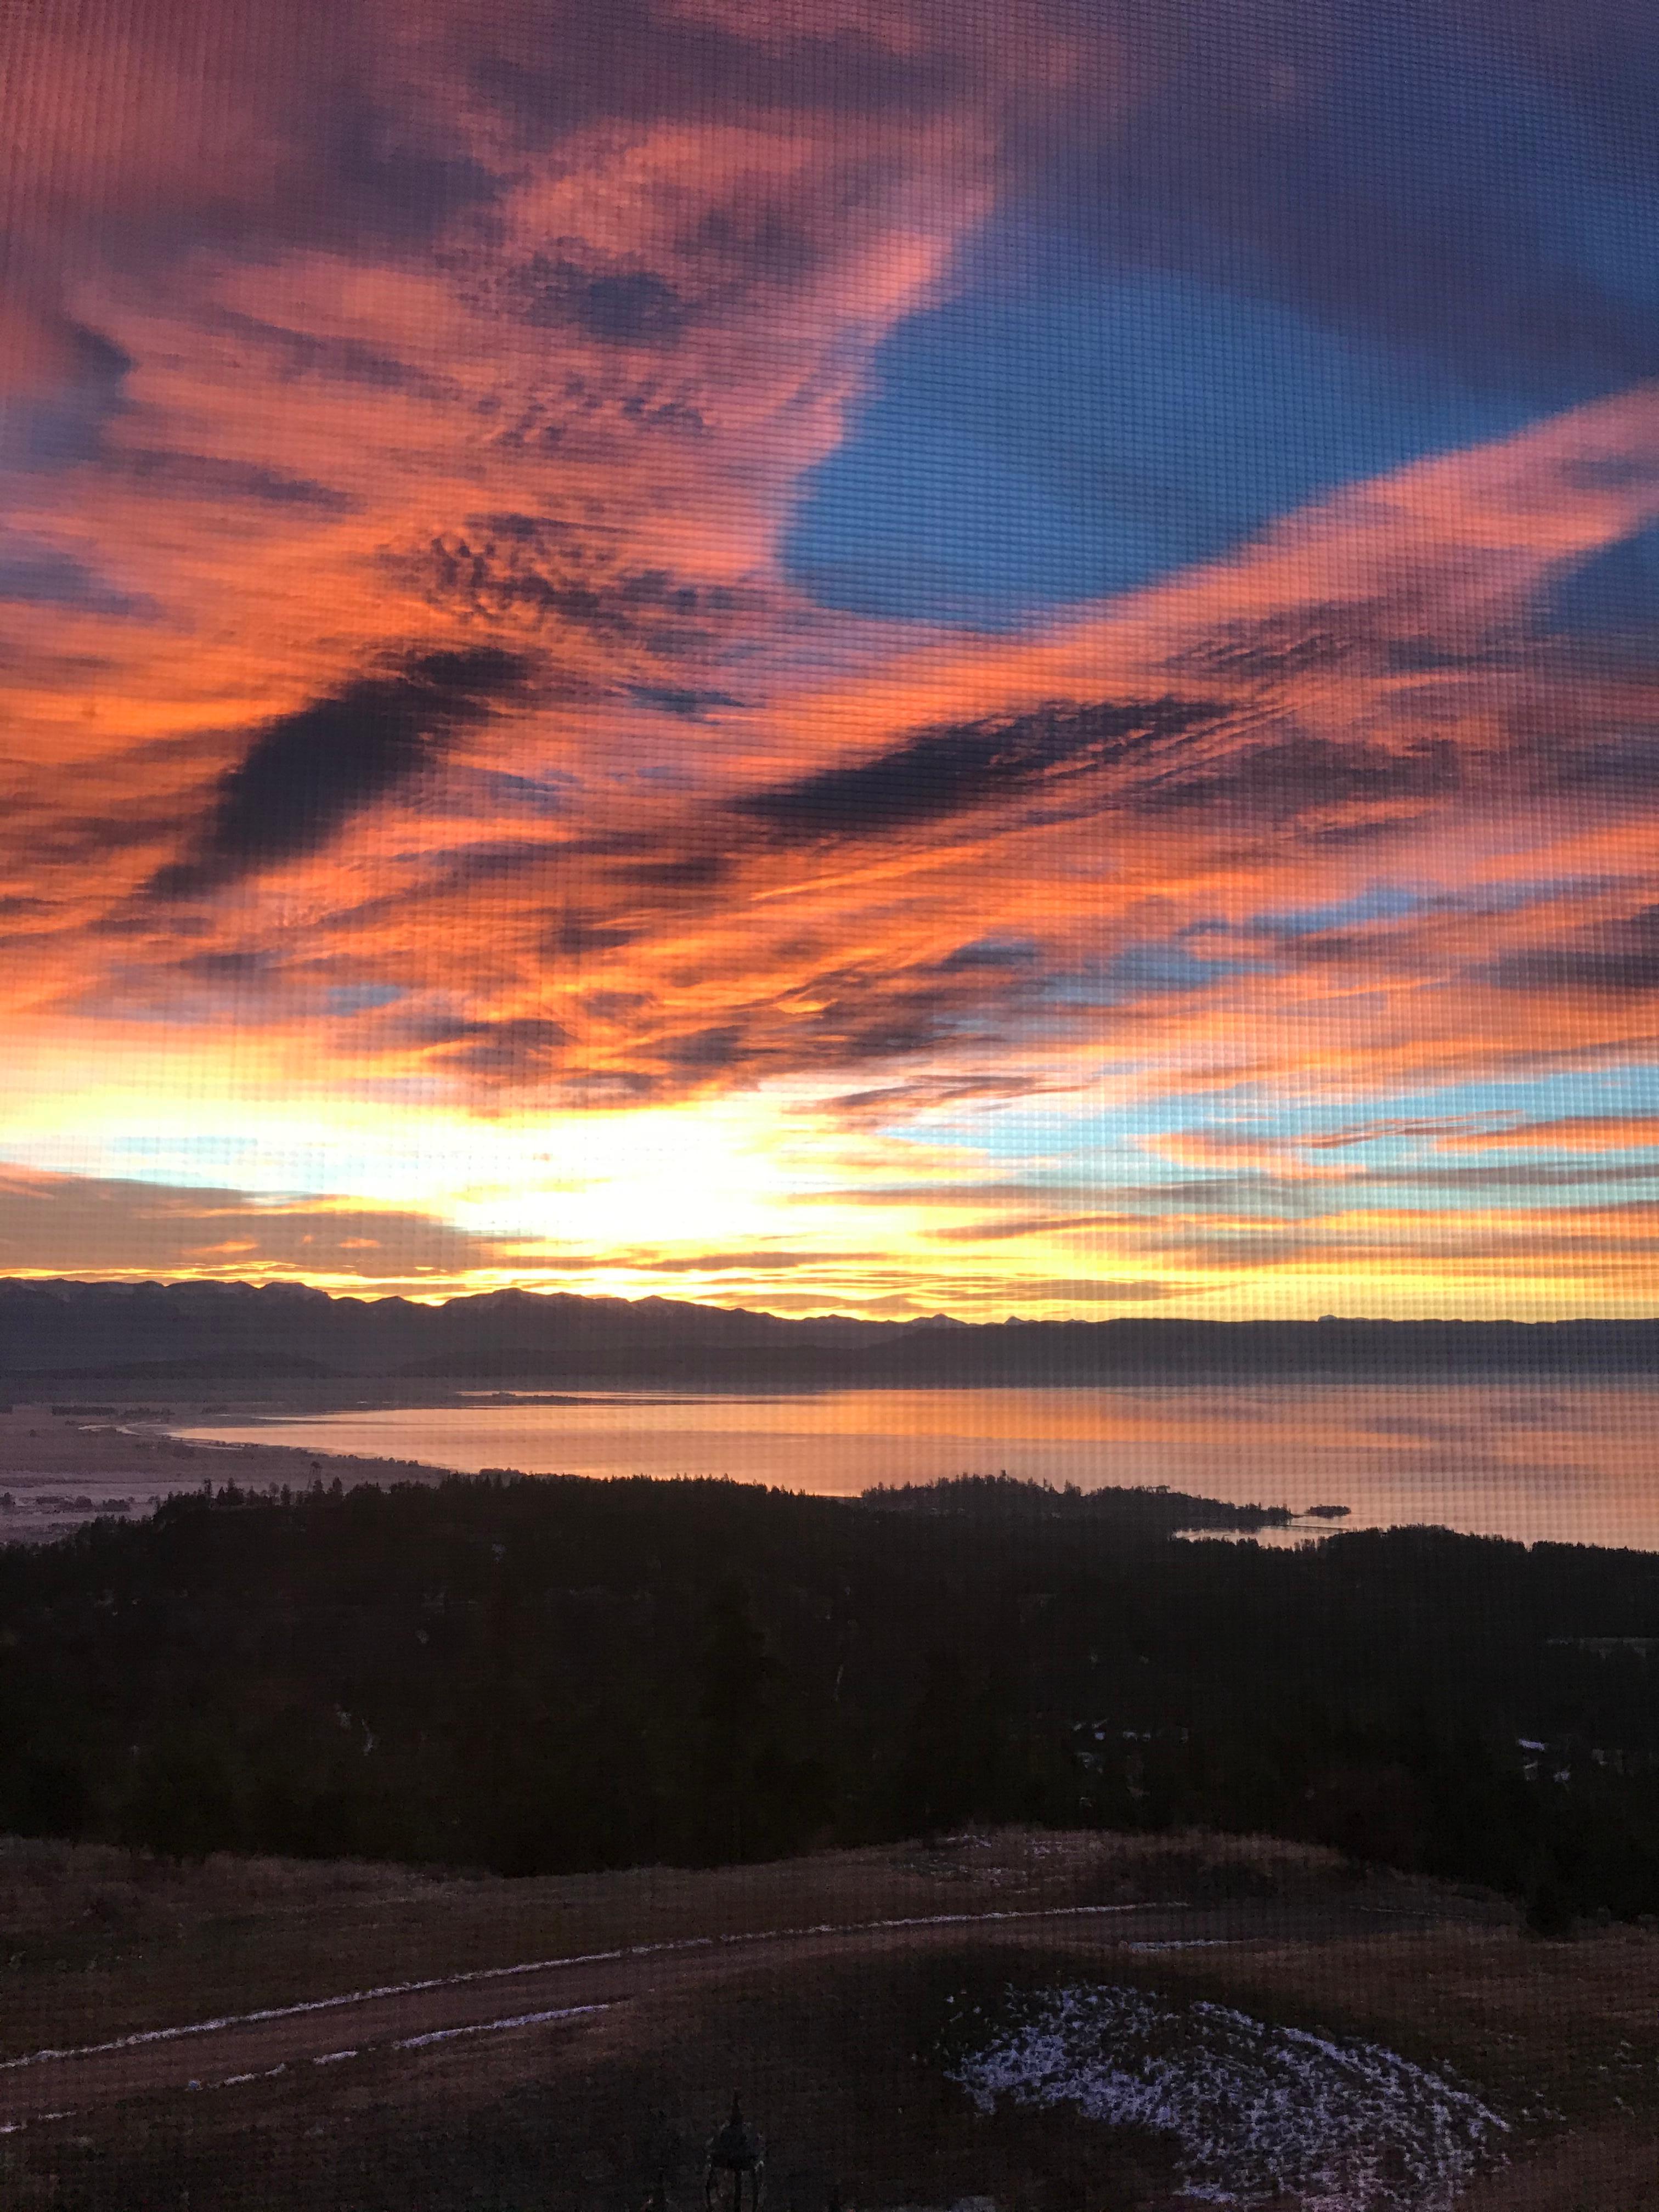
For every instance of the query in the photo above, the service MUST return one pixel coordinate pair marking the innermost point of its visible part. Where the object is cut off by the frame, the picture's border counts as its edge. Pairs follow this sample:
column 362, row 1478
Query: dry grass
column 1565, row 2030
column 95, row 1942
column 583, row 2117
column 584, row 2120
column 1613, row 2167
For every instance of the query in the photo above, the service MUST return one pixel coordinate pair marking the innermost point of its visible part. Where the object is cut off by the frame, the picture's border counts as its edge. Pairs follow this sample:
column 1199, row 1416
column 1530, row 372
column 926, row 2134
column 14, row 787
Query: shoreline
column 1595, row 1483
column 60, row 1470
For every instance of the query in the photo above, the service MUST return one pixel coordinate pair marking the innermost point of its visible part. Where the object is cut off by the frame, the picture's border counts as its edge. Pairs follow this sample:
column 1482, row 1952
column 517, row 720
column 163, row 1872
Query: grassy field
column 838, row 2063
column 96, row 1942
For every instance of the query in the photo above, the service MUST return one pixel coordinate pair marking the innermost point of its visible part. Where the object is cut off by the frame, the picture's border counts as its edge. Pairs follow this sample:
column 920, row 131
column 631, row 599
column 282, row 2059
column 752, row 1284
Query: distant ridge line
column 72, row 1331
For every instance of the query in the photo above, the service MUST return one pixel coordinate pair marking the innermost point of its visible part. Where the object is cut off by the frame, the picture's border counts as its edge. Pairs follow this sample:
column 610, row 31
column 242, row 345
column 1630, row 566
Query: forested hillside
column 551, row 1675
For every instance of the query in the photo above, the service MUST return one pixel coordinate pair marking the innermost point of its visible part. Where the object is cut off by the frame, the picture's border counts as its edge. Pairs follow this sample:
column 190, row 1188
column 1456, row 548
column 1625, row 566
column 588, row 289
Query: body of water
column 1573, row 1462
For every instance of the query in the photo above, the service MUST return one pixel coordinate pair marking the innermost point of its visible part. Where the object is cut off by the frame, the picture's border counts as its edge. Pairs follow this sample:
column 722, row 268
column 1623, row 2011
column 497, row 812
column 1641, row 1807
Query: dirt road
column 561, row 1996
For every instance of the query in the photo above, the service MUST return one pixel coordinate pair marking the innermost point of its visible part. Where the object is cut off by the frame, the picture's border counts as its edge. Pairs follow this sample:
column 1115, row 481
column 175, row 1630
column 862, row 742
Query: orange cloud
column 1573, row 1133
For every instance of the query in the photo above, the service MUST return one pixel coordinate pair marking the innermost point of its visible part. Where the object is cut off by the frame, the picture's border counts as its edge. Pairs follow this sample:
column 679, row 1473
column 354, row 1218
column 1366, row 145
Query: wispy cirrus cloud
column 1571, row 1133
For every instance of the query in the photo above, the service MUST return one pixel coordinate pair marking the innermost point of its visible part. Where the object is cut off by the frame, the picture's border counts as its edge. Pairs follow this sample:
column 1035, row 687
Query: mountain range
column 65, row 1331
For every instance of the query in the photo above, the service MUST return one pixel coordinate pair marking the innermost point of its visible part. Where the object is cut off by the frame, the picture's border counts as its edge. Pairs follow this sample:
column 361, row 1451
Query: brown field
column 96, row 1942
column 827, row 2037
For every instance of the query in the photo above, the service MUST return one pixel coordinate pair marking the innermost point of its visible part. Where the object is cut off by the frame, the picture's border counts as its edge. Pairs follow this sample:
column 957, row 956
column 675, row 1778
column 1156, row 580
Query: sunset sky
column 883, row 655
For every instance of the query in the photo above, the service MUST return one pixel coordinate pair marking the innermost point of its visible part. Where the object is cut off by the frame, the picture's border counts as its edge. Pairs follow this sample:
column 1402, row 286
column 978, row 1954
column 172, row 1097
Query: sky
column 892, row 657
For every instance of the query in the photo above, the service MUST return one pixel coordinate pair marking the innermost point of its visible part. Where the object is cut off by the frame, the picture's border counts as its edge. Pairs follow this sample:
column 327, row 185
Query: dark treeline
column 153, row 1332
column 557, row 1675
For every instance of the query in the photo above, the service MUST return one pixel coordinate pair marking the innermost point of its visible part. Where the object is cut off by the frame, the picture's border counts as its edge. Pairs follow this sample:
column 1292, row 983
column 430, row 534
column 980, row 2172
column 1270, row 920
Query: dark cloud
column 1278, row 648
column 203, row 476
column 615, row 1006
column 1620, row 957
column 65, row 419
column 1351, row 949
column 634, row 59
column 833, row 1019
column 98, row 360
column 618, row 306
column 495, row 862
column 864, row 1014
column 380, row 181
column 50, row 837
column 581, row 418
column 502, row 567
column 638, row 868
column 1007, row 955
column 768, row 235
column 1296, row 773
column 513, row 1048
column 1623, row 766
column 224, row 967
column 308, row 773
column 710, row 1050
column 690, row 871
column 1393, row 636
column 36, row 575
column 1148, row 752
column 677, row 699
column 576, row 934
column 516, row 1050
column 297, row 354
column 938, row 773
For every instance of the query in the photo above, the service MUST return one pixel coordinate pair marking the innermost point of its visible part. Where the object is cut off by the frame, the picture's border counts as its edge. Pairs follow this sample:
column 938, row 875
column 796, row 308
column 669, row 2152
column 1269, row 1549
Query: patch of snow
column 493, row 2027
column 1188, row 1943
column 1260, row 2112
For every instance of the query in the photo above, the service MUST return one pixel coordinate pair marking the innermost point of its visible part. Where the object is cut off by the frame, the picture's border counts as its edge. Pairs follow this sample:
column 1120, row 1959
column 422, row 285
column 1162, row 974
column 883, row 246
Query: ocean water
column 1570, row 1463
